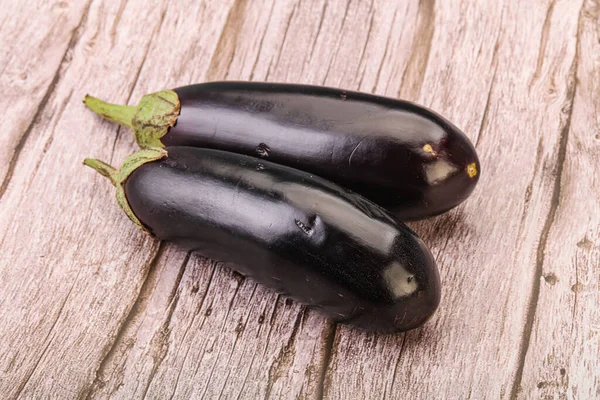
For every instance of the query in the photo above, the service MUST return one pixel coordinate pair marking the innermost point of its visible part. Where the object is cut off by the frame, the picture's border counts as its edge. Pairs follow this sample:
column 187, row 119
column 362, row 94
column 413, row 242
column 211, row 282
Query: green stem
column 104, row 169
column 150, row 120
column 120, row 114
column 119, row 176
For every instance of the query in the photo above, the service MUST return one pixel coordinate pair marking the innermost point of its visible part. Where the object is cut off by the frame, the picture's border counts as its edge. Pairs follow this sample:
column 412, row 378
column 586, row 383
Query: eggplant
column 398, row 154
column 301, row 235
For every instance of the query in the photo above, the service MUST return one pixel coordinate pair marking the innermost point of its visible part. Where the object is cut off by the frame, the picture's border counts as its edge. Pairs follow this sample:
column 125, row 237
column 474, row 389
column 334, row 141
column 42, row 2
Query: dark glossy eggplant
column 301, row 235
column 404, row 157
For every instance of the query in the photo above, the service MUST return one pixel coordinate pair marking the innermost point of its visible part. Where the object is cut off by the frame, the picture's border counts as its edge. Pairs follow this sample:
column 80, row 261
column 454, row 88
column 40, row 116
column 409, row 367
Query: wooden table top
column 90, row 307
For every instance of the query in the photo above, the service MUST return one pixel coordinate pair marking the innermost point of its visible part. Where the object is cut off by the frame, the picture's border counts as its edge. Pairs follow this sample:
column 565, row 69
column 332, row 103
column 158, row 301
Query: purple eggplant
column 400, row 155
column 303, row 236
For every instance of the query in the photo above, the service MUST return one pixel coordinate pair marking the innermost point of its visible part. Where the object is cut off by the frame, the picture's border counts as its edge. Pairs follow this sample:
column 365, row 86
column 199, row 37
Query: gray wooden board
column 92, row 308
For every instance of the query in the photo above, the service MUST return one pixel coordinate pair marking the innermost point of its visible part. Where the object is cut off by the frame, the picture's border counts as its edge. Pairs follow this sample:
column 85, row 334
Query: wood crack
column 47, row 338
column 164, row 331
column 551, row 216
column 283, row 41
column 385, row 52
column 529, row 191
column 314, row 43
column 252, row 360
column 494, row 65
column 225, row 320
column 484, row 118
column 273, row 311
column 337, row 47
column 45, row 99
column 327, row 355
column 414, row 73
column 282, row 360
column 136, row 309
column 116, row 20
column 239, row 330
column 576, row 292
column 6, row 65
column 262, row 40
column 222, row 58
column 38, row 162
column 364, row 48
column 35, row 170
column 543, row 44
column 198, row 308
column 396, row 365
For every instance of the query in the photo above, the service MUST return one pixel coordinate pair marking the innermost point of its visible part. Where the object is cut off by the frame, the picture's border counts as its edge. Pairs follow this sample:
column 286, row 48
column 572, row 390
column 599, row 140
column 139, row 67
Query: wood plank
column 70, row 273
column 531, row 90
column 37, row 44
column 486, row 249
column 89, row 307
column 563, row 353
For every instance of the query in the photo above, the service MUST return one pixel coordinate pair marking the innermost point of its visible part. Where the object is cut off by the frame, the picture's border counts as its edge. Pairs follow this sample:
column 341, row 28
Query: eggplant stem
column 117, row 113
column 119, row 176
column 150, row 120
column 103, row 169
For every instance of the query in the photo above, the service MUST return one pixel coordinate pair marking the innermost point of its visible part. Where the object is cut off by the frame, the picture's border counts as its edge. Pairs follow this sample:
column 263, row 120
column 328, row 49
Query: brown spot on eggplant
column 360, row 264
column 262, row 150
column 472, row 170
column 428, row 149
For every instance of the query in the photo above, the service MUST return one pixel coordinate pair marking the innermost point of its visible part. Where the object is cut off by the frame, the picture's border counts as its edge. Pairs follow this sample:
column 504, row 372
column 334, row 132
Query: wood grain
column 64, row 261
column 92, row 308
column 38, row 40
column 562, row 359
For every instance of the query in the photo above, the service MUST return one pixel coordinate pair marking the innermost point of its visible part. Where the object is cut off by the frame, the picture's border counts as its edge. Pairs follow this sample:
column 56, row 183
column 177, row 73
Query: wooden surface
column 92, row 308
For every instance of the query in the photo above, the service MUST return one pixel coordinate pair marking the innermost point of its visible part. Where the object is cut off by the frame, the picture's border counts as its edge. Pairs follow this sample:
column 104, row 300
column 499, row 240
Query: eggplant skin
column 301, row 235
column 400, row 155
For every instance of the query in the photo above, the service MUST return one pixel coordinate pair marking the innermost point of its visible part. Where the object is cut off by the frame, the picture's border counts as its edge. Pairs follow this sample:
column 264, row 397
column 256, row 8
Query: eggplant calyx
column 150, row 120
column 119, row 176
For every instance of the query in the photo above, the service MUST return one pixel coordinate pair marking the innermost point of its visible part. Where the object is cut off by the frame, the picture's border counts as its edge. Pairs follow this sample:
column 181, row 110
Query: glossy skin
column 398, row 154
column 302, row 236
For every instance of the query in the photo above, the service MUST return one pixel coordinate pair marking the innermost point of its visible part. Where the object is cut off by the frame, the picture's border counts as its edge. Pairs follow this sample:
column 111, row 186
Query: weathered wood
column 486, row 248
column 70, row 273
column 563, row 355
column 37, row 44
column 92, row 308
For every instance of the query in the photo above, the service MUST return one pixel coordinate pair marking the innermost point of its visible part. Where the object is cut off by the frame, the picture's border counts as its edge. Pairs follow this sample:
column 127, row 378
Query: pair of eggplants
column 302, row 188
